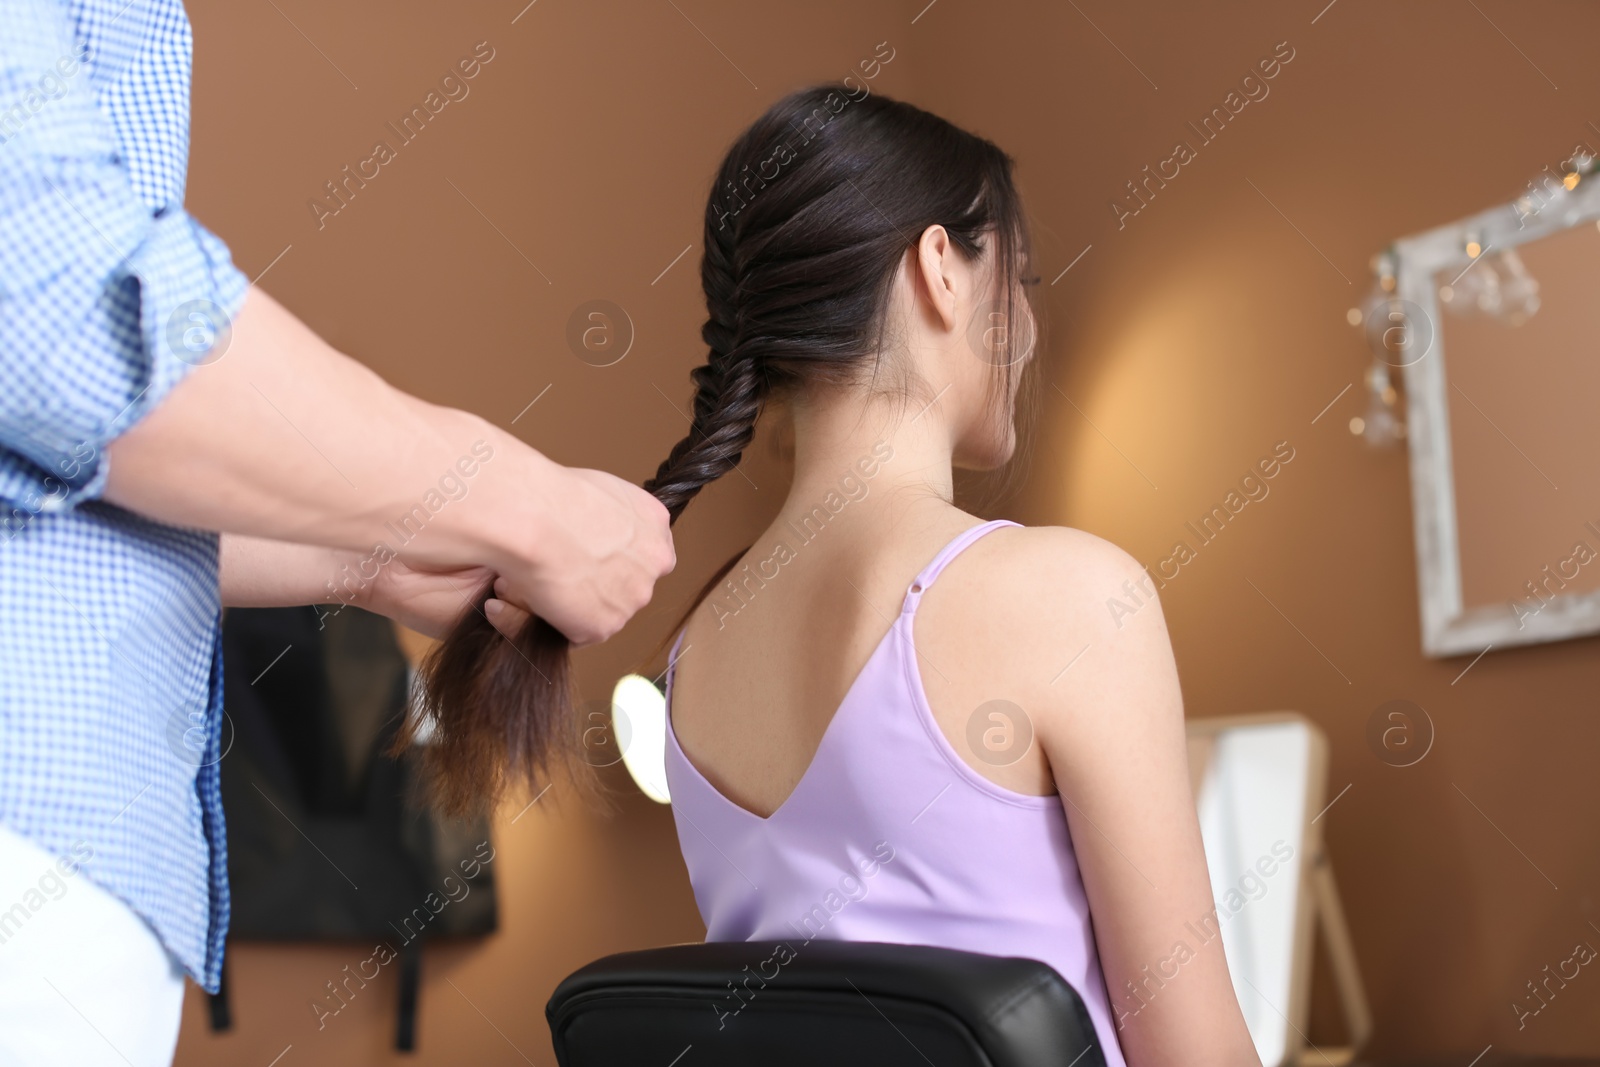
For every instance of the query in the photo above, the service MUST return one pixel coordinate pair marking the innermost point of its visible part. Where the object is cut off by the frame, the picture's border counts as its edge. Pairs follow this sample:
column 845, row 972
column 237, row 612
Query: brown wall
column 1189, row 341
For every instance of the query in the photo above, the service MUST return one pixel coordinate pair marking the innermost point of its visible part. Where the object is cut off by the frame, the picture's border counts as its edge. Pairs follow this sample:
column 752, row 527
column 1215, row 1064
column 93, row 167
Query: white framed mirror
column 1501, row 325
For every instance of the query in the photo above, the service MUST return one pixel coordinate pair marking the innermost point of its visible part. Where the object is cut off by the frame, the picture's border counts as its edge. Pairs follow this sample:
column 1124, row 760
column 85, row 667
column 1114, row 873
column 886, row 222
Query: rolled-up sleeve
column 106, row 301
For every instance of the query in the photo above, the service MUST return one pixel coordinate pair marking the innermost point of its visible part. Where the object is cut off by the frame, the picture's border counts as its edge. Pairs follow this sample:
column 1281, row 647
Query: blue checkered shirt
column 110, row 293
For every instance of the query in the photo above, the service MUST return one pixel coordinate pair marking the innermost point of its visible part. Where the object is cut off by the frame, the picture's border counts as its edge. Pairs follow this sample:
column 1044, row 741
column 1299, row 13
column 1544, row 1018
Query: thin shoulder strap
column 946, row 554
column 672, row 658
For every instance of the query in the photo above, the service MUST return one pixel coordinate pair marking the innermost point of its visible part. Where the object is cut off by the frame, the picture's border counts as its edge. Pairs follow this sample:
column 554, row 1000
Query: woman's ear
column 935, row 263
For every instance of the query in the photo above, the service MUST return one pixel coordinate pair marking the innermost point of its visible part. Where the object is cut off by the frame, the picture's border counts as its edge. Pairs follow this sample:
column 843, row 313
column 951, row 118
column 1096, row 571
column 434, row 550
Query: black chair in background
column 832, row 1003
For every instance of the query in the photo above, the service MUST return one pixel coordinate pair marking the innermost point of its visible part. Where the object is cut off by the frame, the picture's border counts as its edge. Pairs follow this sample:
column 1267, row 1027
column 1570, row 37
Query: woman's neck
column 868, row 451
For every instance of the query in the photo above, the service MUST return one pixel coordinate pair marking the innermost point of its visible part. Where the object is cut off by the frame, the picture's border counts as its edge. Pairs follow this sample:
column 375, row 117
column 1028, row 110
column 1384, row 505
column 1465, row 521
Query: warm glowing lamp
column 639, row 717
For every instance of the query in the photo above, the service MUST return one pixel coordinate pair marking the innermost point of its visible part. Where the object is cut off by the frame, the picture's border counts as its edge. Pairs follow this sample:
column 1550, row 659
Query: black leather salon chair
column 831, row 1004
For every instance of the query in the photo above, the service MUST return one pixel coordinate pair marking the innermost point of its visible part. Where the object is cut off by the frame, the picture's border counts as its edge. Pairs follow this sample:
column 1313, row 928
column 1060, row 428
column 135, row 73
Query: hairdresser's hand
column 601, row 547
column 506, row 616
column 257, row 572
column 430, row 602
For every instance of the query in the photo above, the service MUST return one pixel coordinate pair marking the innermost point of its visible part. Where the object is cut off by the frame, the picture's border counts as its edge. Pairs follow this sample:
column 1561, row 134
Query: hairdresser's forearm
column 288, row 439
column 258, row 573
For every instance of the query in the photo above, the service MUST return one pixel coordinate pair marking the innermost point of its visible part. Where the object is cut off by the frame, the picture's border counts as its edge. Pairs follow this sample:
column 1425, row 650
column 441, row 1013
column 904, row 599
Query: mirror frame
column 1448, row 627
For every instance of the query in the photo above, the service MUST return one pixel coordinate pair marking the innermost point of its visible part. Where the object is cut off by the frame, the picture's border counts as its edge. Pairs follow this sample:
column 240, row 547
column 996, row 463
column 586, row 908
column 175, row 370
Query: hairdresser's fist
column 427, row 601
column 603, row 544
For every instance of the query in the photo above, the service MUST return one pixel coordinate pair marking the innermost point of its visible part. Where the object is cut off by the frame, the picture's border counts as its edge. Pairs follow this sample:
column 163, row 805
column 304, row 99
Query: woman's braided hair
column 810, row 218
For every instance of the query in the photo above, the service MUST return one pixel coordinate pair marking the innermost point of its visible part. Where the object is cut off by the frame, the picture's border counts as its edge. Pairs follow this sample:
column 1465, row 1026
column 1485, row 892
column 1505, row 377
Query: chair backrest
column 803, row 1003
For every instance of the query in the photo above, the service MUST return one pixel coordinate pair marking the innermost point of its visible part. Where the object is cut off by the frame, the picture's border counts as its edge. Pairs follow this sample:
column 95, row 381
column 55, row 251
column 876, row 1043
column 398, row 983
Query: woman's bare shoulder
column 1022, row 587
column 1053, row 572
column 1027, row 605
column 1065, row 550
column 1049, row 600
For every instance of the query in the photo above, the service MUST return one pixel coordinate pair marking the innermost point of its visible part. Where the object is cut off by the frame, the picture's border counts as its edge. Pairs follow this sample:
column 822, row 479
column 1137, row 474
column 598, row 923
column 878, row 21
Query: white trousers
column 83, row 979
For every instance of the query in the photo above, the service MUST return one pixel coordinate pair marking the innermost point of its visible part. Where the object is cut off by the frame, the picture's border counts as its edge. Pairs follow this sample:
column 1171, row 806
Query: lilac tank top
column 891, row 836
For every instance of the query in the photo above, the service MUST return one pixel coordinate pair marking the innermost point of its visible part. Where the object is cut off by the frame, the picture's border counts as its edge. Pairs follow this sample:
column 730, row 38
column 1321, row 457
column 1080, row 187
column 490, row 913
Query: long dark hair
column 809, row 219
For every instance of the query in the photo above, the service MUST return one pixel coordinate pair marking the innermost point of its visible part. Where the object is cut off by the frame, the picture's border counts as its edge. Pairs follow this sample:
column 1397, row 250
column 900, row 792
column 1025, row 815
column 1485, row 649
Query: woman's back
column 1018, row 760
column 857, row 797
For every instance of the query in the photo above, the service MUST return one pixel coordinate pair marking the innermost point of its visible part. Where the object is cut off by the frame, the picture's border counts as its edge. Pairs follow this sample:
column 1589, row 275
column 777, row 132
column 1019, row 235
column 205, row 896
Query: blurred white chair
column 1260, row 786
